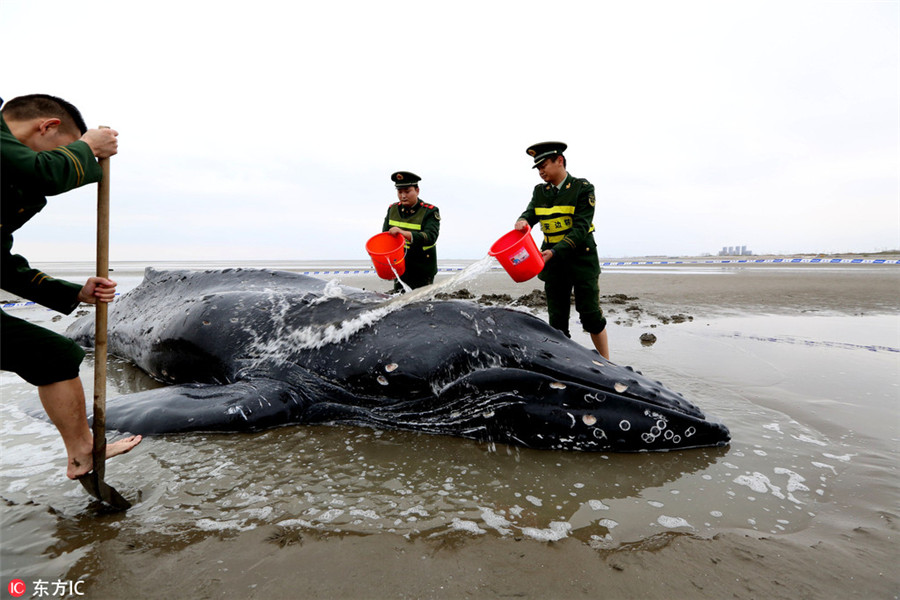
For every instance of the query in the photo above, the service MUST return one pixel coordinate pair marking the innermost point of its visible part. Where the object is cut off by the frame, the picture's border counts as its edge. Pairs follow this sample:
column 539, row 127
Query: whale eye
column 620, row 387
column 391, row 367
column 558, row 386
column 589, row 419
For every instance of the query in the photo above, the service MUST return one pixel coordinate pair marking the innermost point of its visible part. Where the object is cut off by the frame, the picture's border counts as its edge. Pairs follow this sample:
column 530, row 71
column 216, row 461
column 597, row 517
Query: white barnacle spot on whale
column 487, row 414
column 382, row 380
column 206, row 322
column 589, row 419
column 620, row 387
column 391, row 367
column 557, row 385
column 624, row 425
column 236, row 410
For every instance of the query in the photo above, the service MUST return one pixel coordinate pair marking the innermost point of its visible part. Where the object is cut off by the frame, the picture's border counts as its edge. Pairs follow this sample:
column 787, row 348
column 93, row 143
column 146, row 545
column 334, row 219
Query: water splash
column 317, row 336
column 400, row 281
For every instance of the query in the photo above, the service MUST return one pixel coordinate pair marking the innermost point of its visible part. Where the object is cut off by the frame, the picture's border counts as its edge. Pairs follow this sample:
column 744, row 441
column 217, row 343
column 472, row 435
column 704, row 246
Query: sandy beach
column 801, row 361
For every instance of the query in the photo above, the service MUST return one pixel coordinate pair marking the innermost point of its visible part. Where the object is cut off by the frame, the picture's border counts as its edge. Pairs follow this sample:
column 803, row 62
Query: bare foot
column 122, row 446
column 82, row 465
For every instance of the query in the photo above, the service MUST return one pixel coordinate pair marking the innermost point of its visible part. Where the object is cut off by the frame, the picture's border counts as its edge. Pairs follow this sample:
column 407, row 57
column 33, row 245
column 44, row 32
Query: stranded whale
column 249, row 349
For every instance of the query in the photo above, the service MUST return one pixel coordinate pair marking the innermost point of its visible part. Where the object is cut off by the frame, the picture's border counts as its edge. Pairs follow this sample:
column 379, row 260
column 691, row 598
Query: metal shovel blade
column 100, row 490
column 94, row 484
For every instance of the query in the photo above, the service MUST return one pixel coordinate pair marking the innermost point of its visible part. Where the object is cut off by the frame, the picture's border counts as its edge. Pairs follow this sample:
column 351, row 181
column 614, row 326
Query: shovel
column 93, row 482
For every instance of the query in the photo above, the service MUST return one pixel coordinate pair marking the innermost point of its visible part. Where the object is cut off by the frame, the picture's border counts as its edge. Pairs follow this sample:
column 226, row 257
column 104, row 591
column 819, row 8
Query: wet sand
column 849, row 550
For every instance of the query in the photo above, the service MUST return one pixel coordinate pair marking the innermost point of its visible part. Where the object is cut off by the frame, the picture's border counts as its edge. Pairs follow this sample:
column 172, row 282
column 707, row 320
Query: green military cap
column 404, row 179
column 544, row 150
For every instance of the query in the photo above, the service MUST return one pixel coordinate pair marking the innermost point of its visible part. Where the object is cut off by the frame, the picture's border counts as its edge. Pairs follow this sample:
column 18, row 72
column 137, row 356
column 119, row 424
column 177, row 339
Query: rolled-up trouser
column 580, row 275
column 37, row 355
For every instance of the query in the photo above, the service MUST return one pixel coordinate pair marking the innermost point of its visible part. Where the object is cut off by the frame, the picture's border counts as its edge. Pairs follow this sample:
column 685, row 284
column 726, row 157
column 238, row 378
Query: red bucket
column 518, row 254
column 386, row 250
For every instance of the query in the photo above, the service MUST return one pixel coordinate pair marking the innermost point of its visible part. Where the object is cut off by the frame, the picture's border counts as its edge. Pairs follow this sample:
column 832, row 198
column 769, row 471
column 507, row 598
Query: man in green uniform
column 419, row 224
column 47, row 149
column 564, row 206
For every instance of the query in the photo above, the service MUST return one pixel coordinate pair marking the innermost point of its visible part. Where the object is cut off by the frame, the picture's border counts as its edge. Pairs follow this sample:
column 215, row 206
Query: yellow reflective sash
column 405, row 225
column 554, row 210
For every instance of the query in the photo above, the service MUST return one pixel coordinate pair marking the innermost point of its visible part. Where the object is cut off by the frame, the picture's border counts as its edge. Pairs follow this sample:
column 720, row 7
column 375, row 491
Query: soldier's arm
column 50, row 172
column 431, row 228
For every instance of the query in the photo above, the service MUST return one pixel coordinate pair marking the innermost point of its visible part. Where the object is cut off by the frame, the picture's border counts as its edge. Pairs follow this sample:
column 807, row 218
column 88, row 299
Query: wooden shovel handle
column 100, row 325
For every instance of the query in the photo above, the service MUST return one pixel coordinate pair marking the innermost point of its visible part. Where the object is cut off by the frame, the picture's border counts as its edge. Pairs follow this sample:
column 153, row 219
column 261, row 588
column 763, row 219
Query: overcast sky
column 269, row 129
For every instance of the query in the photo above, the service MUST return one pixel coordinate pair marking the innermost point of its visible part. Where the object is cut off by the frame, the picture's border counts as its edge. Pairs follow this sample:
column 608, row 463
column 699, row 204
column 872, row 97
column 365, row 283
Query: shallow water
column 811, row 402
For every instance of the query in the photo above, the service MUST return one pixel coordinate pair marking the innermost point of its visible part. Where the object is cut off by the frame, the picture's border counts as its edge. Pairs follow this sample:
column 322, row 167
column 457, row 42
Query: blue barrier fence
column 748, row 261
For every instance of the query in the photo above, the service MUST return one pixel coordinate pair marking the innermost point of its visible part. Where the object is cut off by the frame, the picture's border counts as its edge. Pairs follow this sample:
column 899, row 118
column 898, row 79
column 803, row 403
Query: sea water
column 811, row 403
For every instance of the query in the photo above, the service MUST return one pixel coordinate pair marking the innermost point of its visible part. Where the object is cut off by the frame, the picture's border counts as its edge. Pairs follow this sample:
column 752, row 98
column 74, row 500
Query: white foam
column 672, row 522
column 842, row 457
column 498, row 522
column 808, row 440
column 329, row 515
column 597, row 505
column 470, row 526
column 608, row 523
column 555, row 532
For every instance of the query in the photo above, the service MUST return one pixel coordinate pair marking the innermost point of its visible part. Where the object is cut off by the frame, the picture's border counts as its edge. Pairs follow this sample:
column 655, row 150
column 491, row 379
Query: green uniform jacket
column 27, row 177
column 566, row 217
column 424, row 221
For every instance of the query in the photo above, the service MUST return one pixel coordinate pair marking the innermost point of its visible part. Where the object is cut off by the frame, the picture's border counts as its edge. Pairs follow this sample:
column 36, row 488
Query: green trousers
column 37, row 355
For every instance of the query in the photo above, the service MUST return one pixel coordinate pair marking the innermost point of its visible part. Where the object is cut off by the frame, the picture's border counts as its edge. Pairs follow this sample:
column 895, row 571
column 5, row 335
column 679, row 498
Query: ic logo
column 16, row 588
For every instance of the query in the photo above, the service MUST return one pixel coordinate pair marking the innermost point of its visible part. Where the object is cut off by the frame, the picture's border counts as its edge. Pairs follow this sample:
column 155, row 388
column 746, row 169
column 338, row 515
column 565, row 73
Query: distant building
column 735, row 251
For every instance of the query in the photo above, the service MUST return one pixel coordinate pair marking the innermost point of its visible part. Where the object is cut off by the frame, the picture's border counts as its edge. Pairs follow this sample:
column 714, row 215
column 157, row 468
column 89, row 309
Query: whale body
column 250, row 349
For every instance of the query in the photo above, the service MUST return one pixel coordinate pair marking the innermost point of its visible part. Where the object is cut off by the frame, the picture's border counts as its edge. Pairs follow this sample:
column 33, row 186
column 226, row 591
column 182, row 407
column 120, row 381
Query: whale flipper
column 248, row 405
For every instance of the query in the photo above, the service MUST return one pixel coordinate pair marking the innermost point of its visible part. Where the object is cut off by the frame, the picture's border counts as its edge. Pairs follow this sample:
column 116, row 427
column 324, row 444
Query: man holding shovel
column 47, row 150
